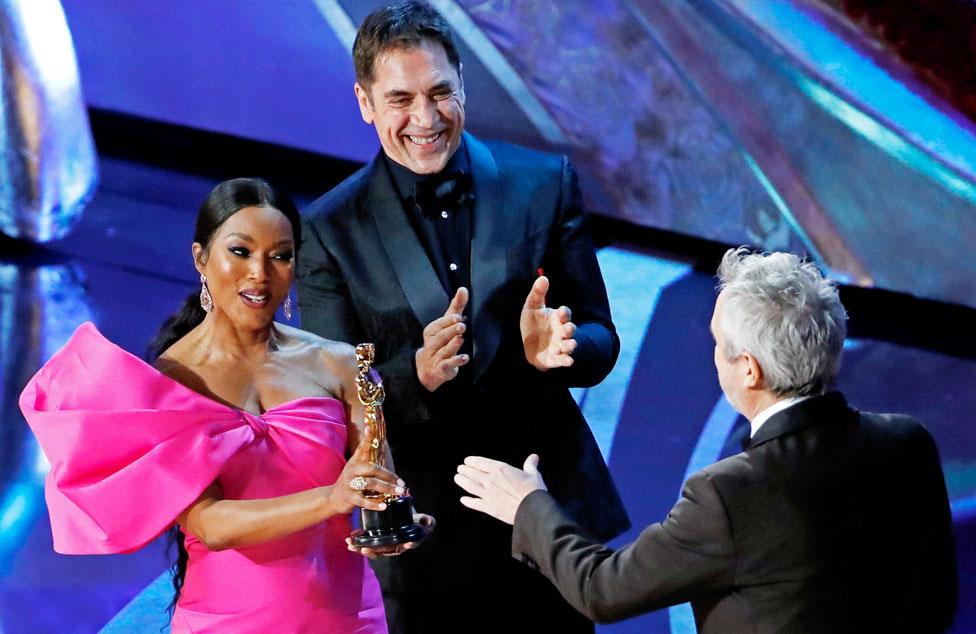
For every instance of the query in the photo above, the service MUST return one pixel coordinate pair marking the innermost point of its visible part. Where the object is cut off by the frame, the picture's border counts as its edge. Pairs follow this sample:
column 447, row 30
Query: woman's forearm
column 222, row 524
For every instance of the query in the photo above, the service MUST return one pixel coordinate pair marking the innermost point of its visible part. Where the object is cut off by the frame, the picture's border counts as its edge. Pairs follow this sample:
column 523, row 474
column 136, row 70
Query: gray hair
column 785, row 313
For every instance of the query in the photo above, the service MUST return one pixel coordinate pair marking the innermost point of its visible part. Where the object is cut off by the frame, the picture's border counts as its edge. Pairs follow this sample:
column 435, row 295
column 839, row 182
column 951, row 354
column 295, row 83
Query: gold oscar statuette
column 393, row 525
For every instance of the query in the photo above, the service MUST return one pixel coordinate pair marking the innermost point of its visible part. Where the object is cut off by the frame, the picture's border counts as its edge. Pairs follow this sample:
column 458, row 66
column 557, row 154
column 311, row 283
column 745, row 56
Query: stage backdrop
column 777, row 124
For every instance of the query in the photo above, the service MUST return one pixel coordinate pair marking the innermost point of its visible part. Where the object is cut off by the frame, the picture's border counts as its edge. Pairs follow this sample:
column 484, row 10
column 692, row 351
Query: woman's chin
column 254, row 320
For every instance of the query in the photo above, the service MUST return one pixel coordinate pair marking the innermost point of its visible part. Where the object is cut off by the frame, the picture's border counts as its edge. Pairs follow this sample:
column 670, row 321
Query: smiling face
column 249, row 265
column 416, row 104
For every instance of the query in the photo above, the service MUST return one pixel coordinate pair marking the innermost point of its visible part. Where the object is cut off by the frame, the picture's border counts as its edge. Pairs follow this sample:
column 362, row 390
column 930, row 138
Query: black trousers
column 510, row 598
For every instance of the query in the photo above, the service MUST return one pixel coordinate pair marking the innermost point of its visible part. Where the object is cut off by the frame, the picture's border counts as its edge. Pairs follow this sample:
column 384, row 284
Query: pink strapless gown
column 131, row 448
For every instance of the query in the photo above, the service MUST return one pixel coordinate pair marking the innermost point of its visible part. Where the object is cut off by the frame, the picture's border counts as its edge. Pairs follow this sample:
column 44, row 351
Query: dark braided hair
column 224, row 201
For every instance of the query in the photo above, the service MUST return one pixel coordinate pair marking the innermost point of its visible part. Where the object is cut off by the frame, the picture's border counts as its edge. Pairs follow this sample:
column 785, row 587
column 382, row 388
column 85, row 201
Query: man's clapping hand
column 438, row 360
column 547, row 334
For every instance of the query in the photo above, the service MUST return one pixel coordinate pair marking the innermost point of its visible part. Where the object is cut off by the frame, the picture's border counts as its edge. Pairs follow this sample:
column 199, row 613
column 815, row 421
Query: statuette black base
column 389, row 527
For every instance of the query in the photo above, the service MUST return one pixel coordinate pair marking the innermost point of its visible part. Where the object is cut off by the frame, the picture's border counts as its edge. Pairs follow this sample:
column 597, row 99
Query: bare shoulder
column 175, row 364
column 335, row 357
column 167, row 364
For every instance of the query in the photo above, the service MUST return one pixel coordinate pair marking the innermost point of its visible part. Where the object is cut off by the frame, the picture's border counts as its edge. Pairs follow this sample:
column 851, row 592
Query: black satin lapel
column 413, row 269
column 489, row 243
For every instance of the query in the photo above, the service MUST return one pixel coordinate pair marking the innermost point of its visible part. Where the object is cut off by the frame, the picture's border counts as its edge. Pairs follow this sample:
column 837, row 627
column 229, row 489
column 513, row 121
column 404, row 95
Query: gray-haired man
column 830, row 520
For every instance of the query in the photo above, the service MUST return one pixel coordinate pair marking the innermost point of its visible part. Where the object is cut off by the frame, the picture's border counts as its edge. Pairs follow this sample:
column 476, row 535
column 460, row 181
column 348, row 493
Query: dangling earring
column 206, row 301
column 286, row 308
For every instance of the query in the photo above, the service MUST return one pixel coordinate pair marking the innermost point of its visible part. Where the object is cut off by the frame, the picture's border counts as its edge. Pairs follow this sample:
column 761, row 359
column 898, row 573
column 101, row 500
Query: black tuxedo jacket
column 831, row 520
column 364, row 276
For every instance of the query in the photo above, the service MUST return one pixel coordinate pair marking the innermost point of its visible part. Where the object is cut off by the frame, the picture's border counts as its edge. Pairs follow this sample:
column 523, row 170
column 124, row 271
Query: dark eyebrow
column 438, row 87
column 243, row 236
column 392, row 94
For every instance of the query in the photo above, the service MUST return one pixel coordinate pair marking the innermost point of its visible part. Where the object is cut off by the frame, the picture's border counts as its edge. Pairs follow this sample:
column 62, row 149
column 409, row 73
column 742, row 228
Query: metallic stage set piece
column 394, row 525
column 41, row 304
column 48, row 168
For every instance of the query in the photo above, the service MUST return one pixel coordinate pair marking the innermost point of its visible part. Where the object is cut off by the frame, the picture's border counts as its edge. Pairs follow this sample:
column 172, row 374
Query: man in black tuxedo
column 446, row 251
column 830, row 520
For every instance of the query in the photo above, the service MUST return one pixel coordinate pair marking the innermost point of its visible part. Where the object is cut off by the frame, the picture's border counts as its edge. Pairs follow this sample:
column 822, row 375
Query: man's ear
column 365, row 105
column 752, row 372
column 199, row 257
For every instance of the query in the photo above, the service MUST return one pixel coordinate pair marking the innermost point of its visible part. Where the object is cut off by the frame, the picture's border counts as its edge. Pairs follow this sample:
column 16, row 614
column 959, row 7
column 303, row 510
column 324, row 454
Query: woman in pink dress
column 238, row 435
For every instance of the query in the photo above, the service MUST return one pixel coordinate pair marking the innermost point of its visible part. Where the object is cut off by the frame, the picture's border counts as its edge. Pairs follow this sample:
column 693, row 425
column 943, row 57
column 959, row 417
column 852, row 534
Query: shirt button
column 443, row 214
column 453, row 266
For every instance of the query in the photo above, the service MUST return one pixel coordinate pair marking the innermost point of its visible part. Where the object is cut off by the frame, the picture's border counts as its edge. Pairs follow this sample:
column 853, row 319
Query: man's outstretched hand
column 498, row 488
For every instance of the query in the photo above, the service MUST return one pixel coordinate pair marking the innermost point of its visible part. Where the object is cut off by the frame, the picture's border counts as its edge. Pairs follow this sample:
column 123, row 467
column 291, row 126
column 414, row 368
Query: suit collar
column 416, row 276
column 490, row 238
column 768, row 412
column 818, row 410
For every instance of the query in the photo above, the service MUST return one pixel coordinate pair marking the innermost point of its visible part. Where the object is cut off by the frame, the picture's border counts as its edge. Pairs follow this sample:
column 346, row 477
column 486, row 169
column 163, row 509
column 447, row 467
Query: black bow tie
column 443, row 192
